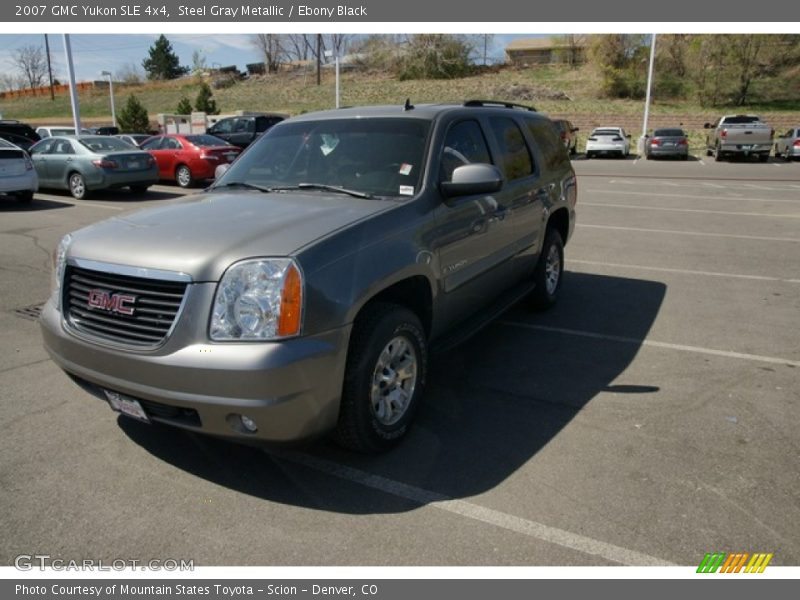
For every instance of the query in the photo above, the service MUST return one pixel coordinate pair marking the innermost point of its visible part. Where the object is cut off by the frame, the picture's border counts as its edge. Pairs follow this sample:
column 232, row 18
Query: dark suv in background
column 19, row 134
column 243, row 131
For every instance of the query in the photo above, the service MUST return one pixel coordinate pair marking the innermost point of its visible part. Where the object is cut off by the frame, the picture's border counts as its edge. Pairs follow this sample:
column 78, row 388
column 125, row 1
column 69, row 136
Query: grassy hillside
column 556, row 90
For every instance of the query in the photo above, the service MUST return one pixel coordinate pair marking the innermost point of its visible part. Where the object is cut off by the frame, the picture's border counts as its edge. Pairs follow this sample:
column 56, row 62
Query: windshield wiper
column 323, row 186
column 242, row 184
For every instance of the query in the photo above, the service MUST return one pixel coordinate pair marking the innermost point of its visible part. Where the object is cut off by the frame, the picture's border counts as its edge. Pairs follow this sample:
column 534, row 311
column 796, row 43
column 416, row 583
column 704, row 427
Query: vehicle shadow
column 10, row 204
column 491, row 404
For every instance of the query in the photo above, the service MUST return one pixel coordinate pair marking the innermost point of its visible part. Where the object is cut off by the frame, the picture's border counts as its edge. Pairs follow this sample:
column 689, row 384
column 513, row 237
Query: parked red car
column 189, row 158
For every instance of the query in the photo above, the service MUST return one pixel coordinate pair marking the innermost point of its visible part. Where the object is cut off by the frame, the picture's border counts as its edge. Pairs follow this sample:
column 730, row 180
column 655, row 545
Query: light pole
column 111, row 93
column 643, row 139
column 329, row 54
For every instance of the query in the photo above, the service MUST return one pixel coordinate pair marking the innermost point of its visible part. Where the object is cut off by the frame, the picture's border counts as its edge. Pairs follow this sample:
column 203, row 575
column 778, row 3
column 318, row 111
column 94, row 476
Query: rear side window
column 463, row 145
column 245, row 126
column 152, row 143
column 515, row 158
column 549, row 144
column 223, row 126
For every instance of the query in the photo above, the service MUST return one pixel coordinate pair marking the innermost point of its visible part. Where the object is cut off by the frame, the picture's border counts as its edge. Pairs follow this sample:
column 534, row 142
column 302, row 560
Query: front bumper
column 291, row 388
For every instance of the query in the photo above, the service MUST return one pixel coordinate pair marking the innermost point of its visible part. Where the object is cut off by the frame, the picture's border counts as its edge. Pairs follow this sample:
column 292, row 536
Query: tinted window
column 205, row 140
column 245, row 126
column 669, row 133
column 171, row 144
column 222, row 126
column 464, row 144
column 41, row 147
column 264, row 123
column 62, row 147
column 607, row 132
column 741, row 120
column 152, row 144
column 550, row 145
column 104, row 144
column 515, row 157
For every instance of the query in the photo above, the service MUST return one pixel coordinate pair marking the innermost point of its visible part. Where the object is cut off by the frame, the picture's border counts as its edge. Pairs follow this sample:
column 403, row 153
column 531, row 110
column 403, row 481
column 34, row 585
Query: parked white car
column 46, row 131
column 17, row 175
column 788, row 144
column 608, row 140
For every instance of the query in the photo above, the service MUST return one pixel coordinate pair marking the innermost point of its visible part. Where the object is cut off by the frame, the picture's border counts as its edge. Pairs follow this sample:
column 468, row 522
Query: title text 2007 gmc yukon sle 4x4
column 742, row 135
column 300, row 293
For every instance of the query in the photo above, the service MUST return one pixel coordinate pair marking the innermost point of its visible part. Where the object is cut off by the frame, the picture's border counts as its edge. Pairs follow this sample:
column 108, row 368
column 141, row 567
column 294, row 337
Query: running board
column 466, row 329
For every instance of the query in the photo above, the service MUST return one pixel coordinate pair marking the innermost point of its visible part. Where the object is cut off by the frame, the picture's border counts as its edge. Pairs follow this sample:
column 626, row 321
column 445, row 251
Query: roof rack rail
column 9, row 121
column 499, row 103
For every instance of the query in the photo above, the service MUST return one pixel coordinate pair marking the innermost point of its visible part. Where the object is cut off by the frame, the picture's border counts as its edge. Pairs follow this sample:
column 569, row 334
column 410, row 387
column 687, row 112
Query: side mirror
column 707, row 126
column 221, row 170
column 628, row 135
column 473, row 179
column 574, row 129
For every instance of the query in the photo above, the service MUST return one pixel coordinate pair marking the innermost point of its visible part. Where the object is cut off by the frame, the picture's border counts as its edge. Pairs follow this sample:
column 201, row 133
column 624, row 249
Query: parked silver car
column 667, row 142
column 787, row 146
column 608, row 140
column 17, row 176
column 84, row 163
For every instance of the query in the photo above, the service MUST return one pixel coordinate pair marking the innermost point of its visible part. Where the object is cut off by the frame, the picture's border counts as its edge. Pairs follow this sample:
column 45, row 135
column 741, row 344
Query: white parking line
column 713, row 185
column 692, row 210
column 681, row 271
column 691, row 197
column 702, row 162
column 552, row 535
column 650, row 343
column 700, row 233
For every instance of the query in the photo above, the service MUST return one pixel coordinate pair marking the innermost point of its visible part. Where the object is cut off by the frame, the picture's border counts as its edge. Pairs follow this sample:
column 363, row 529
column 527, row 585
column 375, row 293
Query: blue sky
column 95, row 53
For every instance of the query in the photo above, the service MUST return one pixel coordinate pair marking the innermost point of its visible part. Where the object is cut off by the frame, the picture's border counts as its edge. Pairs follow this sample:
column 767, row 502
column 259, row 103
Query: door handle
column 500, row 213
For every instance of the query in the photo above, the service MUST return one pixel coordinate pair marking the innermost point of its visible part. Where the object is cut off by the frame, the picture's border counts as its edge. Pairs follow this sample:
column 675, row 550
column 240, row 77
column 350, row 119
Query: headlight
column 59, row 264
column 258, row 300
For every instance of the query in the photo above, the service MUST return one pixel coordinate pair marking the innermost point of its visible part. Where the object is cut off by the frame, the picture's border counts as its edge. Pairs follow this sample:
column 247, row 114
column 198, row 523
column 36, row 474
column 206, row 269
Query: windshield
column 382, row 157
column 606, row 132
column 104, row 143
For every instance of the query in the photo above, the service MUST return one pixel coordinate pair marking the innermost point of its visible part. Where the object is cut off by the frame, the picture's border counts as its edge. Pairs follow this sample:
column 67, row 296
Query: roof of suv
column 419, row 111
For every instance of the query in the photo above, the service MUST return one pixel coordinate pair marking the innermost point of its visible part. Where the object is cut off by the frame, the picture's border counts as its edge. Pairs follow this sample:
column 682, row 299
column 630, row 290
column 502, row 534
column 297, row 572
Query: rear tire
column 549, row 272
column 384, row 378
column 183, row 176
column 25, row 197
column 77, row 186
column 763, row 158
column 717, row 154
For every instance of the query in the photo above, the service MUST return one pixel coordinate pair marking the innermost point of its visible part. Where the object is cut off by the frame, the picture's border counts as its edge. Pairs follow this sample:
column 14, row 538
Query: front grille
column 155, row 306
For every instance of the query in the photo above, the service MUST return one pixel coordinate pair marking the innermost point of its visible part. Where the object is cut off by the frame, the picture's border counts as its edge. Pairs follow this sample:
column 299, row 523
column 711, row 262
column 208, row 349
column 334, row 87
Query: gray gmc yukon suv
column 303, row 292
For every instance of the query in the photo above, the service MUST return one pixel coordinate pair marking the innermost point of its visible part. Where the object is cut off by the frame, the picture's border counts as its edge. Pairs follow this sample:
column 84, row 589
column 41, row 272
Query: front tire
column 549, row 272
column 384, row 379
column 717, row 153
column 25, row 197
column 183, row 176
column 77, row 186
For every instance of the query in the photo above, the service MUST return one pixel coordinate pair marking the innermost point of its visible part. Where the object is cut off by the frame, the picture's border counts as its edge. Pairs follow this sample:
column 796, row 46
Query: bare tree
column 10, row 82
column 271, row 46
column 130, row 73
column 299, row 46
column 31, row 62
column 573, row 49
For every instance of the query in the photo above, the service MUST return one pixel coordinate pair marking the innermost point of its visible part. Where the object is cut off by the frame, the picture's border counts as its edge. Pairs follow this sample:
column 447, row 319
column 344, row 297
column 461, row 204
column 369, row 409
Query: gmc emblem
column 115, row 303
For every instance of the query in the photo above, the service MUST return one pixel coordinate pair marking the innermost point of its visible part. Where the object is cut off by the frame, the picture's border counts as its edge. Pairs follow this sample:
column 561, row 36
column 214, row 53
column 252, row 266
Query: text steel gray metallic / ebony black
column 302, row 292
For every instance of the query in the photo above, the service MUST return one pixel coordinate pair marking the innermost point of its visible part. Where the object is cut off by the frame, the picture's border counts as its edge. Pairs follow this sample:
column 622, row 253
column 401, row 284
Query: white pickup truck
column 742, row 135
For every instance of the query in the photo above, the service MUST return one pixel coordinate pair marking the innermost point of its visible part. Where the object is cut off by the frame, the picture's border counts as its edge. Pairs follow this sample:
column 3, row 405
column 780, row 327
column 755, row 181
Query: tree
column 622, row 62
column 163, row 63
column 133, row 117
column 184, row 107
column 198, row 62
column 32, row 64
column 130, row 74
column 435, row 56
column 205, row 101
column 271, row 47
column 572, row 49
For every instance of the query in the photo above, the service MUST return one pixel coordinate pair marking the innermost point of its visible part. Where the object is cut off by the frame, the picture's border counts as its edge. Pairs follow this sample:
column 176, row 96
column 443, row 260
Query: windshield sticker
column 406, row 190
column 329, row 143
column 405, row 169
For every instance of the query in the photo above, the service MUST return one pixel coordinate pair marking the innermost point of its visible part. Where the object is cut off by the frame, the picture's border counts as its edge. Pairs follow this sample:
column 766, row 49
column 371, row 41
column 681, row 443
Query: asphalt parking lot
column 649, row 418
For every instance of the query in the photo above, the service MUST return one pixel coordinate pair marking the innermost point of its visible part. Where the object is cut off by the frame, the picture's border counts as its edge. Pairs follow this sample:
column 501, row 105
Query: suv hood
column 203, row 237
